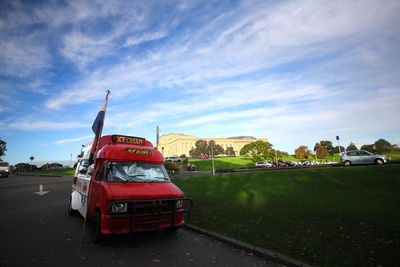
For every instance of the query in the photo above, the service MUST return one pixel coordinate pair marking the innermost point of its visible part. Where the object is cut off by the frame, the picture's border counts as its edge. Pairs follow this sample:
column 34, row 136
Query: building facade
column 176, row 144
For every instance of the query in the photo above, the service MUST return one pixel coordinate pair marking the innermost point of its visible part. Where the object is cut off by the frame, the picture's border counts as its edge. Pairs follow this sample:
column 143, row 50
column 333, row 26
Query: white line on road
column 41, row 192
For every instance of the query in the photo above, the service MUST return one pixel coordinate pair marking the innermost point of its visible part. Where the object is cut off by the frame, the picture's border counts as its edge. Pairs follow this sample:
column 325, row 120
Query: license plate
column 150, row 225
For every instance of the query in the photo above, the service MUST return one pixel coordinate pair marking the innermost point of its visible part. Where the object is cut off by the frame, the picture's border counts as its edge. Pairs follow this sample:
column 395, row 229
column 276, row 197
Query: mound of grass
column 339, row 216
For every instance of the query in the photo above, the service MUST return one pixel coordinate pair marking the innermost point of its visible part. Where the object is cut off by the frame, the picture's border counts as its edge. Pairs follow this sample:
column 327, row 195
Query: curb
column 263, row 253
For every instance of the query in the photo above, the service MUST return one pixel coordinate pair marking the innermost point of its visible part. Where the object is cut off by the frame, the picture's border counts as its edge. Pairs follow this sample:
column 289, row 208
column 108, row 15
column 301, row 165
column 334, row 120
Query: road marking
column 41, row 192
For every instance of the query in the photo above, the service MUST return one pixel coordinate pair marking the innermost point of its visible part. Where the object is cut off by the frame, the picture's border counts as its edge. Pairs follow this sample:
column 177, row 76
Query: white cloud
column 73, row 140
column 146, row 37
column 45, row 125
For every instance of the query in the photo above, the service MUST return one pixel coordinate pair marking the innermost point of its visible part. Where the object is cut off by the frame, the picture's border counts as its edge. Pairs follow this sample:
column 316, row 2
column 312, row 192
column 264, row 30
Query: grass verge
column 69, row 171
column 339, row 216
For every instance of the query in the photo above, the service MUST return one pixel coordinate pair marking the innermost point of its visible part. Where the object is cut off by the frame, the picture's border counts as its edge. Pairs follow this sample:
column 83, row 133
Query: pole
column 337, row 138
column 158, row 136
column 276, row 159
column 212, row 157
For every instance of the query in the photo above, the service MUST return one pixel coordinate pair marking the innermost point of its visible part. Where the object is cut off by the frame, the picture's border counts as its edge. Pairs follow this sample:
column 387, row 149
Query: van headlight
column 119, row 207
column 179, row 204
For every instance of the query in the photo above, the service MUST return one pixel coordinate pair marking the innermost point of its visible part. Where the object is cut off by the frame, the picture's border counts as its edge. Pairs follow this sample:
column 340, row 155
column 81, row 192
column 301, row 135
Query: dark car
column 362, row 157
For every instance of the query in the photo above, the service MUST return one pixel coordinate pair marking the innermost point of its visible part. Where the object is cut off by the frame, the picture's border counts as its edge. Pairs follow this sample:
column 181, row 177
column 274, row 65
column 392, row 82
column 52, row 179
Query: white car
column 4, row 169
column 264, row 164
column 173, row 159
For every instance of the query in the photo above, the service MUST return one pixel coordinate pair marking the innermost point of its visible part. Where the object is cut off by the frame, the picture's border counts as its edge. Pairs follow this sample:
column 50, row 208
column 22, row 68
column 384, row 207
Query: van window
column 100, row 173
column 136, row 172
column 83, row 167
column 4, row 164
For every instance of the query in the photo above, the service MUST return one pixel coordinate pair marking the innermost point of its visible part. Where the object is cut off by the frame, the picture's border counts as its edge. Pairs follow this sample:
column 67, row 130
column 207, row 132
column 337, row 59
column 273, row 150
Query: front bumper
column 4, row 173
column 146, row 215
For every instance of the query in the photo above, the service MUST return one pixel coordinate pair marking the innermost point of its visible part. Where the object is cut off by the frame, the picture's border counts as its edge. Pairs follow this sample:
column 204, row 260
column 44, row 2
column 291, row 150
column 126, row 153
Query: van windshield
column 4, row 164
column 136, row 172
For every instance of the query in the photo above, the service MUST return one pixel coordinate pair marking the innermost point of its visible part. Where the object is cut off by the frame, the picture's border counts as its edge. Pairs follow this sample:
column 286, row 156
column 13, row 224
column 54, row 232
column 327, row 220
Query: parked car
column 349, row 158
column 173, row 159
column 4, row 169
column 278, row 163
column 263, row 164
column 202, row 157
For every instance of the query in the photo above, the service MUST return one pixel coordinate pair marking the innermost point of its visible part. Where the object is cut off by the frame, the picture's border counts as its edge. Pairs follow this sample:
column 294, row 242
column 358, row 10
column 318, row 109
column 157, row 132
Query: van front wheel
column 95, row 230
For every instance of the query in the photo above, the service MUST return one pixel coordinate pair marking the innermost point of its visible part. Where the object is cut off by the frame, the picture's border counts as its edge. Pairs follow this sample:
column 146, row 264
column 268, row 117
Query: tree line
column 202, row 147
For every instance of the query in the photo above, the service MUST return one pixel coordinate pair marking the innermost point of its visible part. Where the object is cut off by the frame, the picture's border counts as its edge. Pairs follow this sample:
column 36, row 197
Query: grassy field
column 223, row 162
column 69, row 171
column 337, row 216
column 238, row 162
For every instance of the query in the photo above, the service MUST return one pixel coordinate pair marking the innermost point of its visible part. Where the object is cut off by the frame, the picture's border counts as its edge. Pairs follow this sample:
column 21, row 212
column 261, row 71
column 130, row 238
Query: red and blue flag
column 97, row 128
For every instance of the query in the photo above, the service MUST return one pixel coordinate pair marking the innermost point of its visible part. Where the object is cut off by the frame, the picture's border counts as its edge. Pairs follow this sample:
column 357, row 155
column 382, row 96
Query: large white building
column 176, row 144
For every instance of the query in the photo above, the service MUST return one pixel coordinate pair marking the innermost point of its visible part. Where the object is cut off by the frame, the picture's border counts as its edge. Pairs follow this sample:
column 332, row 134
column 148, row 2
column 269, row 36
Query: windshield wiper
column 165, row 179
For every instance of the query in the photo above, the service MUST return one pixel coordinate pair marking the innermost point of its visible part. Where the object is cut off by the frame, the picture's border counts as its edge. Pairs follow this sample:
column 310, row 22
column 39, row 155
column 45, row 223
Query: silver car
column 362, row 157
column 264, row 164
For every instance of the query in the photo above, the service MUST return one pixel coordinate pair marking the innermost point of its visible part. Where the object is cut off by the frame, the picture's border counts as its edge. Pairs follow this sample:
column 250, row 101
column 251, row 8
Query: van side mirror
column 91, row 170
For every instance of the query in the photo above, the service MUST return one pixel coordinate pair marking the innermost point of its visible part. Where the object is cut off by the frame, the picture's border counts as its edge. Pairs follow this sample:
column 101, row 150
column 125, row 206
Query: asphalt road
column 36, row 231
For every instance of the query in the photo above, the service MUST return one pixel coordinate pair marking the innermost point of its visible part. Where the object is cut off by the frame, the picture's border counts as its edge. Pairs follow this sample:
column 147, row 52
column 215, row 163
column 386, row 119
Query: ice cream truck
column 127, row 189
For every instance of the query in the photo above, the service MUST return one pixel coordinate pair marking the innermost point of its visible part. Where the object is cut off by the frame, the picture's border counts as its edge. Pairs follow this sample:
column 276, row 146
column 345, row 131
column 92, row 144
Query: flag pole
column 97, row 128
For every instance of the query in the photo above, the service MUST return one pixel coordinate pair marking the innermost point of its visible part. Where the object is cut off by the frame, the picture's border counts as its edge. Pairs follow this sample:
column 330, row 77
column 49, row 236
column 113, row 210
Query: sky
column 295, row 72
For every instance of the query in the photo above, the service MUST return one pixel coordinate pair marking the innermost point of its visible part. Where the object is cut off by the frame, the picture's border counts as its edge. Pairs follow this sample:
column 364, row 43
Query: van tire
column 96, row 236
column 71, row 212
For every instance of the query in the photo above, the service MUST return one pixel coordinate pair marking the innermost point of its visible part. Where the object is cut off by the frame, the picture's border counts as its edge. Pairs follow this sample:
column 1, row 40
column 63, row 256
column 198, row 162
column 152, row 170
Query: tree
column 327, row 145
column 257, row 150
column 201, row 148
column 217, row 149
column 25, row 167
column 369, row 148
column 382, row 146
column 302, row 152
column 352, row 146
column 321, row 151
column 204, row 148
column 3, row 148
column 336, row 149
column 229, row 151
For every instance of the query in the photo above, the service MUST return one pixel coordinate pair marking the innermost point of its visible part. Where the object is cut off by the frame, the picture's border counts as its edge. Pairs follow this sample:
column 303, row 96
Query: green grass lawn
column 69, row 171
column 393, row 155
column 336, row 216
column 223, row 162
column 238, row 162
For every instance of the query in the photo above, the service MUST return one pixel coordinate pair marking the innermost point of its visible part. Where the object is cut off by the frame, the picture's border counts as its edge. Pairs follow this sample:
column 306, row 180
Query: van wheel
column 95, row 229
column 71, row 212
column 172, row 229
column 347, row 163
column 379, row 161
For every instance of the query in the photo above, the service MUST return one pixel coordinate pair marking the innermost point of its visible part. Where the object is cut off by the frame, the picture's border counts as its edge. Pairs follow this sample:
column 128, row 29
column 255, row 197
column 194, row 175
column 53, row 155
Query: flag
column 97, row 127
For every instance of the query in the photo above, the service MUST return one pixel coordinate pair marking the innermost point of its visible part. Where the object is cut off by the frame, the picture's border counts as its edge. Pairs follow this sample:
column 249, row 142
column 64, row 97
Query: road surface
column 36, row 231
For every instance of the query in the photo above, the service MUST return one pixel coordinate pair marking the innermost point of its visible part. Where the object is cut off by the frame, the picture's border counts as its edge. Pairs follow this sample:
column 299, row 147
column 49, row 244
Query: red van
column 128, row 189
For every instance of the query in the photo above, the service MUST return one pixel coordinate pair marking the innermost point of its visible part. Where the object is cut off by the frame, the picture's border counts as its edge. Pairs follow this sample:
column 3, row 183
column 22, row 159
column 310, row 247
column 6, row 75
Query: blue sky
column 295, row 72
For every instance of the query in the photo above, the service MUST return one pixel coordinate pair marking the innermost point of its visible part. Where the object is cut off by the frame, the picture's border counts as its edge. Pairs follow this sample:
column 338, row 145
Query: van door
column 96, row 191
